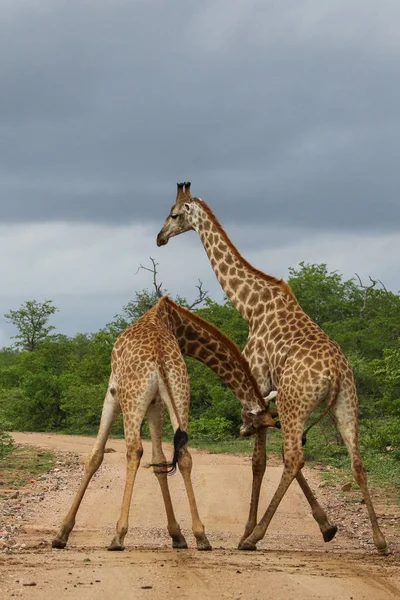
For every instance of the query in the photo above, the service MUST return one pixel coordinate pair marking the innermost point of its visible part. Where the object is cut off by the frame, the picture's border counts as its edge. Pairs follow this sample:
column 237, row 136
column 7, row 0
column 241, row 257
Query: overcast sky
column 284, row 115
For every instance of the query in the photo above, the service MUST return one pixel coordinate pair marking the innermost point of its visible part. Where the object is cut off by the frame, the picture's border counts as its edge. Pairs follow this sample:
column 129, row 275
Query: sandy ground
column 292, row 560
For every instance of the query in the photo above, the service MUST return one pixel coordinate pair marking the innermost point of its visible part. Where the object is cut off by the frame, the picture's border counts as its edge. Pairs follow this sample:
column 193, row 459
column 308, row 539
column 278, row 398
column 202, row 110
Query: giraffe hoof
column 60, row 544
column 179, row 543
column 330, row 533
column 248, row 546
column 204, row 545
column 385, row 551
column 115, row 547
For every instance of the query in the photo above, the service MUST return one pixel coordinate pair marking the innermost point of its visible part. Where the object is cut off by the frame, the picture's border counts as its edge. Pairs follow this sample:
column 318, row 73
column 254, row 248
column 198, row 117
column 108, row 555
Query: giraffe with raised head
column 287, row 352
column 148, row 372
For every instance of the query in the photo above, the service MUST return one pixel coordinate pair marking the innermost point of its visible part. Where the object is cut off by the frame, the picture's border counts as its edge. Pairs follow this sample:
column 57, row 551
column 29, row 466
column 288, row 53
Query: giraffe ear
column 256, row 411
column 188, row 207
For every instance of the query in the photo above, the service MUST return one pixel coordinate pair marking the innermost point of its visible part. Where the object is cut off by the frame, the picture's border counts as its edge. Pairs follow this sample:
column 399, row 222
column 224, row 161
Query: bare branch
column 366, row 289
column 383, row 285
column 389, row 295
column 203, row 294
column 153, row 269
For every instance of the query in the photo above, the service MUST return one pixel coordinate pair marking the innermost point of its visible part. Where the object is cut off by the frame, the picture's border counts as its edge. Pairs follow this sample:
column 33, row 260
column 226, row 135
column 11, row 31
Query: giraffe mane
column 215, row 332
column 283, row 285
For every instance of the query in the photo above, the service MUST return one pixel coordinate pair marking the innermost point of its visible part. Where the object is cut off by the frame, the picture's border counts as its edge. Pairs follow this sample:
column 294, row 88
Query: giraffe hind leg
column 185, row 467
column 327, row 529
column 155, row 414
column 294, row 461
column 134, row 452
column 178, row 390
column 111, row 410
column 140, row 400
column 347, row 424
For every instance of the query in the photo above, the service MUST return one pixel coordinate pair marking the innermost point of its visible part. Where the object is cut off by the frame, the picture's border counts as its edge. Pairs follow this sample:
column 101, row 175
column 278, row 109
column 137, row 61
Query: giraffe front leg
column 155, row 418
column 259, row 463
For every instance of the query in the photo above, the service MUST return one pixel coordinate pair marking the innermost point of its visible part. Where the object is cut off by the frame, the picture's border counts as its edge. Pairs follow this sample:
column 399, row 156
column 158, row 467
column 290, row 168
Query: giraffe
column 148, row 372
column 287, row 352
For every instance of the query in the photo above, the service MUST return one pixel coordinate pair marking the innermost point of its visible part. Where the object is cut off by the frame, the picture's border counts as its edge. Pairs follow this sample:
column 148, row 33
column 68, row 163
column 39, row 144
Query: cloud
column 285, row 117
column 91, row 271
column 287, row 112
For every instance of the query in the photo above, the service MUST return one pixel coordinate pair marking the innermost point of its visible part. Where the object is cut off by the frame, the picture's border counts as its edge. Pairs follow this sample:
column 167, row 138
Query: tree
column 323, row 295
column 146, row 299
column 387, row 370
column 31, row 320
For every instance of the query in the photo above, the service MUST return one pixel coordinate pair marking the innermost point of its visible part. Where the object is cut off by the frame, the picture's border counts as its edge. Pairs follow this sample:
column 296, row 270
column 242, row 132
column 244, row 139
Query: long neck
column 204, row 342
column 242, row 283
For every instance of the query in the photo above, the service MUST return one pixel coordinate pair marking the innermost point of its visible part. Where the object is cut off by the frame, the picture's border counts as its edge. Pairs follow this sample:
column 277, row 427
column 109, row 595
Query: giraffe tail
column 180, row 436
column 330, row 401
column 180, row 440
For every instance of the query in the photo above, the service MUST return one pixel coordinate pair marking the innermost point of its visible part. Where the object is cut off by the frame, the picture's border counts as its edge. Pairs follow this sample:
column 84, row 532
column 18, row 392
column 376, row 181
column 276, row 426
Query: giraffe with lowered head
column 148, row 371
column 287, row 352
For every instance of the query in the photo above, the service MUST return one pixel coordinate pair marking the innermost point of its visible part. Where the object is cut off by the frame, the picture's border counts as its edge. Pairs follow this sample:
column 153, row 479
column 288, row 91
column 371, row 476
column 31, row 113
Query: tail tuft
column 180, row 440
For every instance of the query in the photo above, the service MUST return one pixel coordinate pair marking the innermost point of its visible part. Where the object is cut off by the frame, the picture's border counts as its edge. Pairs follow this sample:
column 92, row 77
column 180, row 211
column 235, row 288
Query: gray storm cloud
column 284, row 115
column 287, row 112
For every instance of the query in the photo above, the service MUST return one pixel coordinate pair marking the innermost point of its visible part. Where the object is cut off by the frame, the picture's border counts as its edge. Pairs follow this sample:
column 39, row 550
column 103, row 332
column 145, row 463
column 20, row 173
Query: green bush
column 82, row 405
column 6, row 442
column 216, row 428
column 381, row 436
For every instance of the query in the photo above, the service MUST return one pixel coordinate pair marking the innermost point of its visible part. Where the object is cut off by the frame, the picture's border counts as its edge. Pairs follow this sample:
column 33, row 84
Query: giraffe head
column 254, row 420
column 180, row 218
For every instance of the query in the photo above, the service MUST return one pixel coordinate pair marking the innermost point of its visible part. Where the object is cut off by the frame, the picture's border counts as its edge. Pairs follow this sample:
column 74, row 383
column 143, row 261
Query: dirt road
column 292, row 561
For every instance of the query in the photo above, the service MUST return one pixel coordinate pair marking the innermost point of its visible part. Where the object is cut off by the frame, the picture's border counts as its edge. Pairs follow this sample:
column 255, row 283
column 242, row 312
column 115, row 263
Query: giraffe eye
column 174, row 216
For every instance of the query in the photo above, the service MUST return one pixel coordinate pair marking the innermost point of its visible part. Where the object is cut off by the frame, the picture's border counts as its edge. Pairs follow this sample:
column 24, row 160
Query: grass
column 383, row 469
column 23, row 464
column 236, row 445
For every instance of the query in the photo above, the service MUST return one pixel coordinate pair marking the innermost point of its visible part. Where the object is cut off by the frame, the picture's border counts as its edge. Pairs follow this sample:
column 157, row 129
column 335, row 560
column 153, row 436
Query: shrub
column 6, row 442
column 381, row 434
column 216, row 428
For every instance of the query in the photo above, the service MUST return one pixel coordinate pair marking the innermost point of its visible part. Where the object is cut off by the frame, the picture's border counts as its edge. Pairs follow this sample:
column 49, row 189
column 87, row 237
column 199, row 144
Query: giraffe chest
column 265, row 362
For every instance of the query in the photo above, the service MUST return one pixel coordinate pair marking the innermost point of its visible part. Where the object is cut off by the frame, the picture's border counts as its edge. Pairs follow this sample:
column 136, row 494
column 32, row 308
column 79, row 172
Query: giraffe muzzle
column 161, row 240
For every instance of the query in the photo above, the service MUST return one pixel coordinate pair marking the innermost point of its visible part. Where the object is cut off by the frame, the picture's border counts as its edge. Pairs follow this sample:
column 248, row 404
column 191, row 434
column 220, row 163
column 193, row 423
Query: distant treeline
column 51, row 382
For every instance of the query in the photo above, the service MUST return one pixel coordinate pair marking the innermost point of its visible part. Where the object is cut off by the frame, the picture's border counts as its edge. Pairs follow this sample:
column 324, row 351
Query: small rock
column 30, row 584
column 346, row 487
